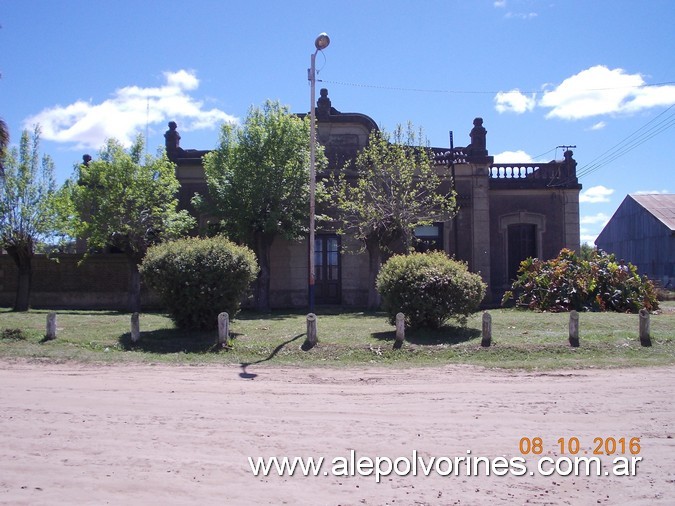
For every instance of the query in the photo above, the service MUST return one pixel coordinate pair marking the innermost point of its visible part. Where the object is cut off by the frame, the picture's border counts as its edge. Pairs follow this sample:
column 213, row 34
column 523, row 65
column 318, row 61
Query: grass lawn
column 521, row 339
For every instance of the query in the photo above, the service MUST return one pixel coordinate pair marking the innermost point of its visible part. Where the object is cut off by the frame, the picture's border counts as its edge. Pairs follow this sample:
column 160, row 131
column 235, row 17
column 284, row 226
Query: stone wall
column 100, row 282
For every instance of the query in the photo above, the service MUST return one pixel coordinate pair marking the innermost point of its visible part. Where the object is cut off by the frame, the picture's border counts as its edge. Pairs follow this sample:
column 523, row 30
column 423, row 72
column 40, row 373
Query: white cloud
column 599, row 125
column 595, row 219
column 500, row 3
column 589, row 238
column 513, row 157
column 86, row 125
column 182, row 79
column 522, row 15
column 596, row 195
column 592, row 225
column 600, row 91
column 514, row 101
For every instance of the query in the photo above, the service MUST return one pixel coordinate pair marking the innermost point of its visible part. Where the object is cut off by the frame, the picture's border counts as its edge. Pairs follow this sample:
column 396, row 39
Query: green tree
column 27, row 212
column 587, row 251
column 258, row 183
column 4, row 141
column 128, row 201
column 392, row 189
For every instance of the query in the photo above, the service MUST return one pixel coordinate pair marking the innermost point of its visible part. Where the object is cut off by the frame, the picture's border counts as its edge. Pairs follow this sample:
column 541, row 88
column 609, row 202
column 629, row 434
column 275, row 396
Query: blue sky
column 542, row 73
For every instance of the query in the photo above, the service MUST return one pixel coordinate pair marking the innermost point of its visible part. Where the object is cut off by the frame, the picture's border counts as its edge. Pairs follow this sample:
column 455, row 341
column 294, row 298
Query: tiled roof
column 661, row 206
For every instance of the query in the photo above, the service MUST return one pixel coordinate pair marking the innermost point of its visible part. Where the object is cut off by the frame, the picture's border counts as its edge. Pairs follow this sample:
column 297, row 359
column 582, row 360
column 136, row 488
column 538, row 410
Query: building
column 508, row 212
column 642, row 232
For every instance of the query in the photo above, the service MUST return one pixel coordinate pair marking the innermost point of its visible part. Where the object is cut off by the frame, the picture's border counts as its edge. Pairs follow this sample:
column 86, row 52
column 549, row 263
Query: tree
column 258, row 183
column 27, row 211
column 587, row 251
column 4, row 142
column 129, row 202
column 392, row 189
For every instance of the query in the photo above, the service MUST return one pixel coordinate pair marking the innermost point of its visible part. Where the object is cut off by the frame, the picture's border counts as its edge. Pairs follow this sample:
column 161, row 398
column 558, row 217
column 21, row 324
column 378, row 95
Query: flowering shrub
column 568, row 282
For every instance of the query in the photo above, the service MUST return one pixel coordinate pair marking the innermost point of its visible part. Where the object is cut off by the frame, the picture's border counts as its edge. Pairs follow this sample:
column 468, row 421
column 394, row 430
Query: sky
column 596, row 75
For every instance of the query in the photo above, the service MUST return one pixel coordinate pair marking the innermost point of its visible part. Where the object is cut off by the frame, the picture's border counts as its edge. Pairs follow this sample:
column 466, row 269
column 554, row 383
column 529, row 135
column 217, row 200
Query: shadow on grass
column 282, row 314
column 172, row 341
column 422, row 337
column 248, row 375
column 249, row 314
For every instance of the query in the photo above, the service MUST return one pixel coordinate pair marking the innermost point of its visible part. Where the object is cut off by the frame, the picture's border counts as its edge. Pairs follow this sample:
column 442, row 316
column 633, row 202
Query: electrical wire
column 626, row 145
column 477, row 92
column 629, row 143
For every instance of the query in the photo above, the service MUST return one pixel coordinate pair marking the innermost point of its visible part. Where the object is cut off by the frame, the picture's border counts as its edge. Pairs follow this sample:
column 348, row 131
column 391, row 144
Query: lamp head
column 322, row 41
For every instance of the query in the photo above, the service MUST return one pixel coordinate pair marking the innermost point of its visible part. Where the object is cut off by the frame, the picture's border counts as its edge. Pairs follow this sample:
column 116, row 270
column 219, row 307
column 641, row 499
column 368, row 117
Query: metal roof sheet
column 660, row 205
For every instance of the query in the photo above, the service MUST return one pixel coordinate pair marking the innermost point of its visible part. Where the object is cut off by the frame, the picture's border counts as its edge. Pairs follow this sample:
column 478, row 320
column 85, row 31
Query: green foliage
column 199, row 278
column 4, row 139
column 587, row 251
column 126, row 200
column 392, row 189
column 258, row 175
column 27, row 189
column 568, row 282
column 258, row 183
column 28, row 211
column 429, row 289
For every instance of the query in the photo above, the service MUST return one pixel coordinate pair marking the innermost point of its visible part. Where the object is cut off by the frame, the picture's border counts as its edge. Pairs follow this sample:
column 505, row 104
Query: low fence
column 312, row 335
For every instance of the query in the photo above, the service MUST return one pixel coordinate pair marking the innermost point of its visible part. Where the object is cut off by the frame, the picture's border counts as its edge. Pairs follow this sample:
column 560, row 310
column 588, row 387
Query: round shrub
column 197, row 279
column 429, row 289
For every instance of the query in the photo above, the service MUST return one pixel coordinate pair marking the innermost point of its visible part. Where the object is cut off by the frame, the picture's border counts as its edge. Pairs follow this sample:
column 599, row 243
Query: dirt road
column 144, row 434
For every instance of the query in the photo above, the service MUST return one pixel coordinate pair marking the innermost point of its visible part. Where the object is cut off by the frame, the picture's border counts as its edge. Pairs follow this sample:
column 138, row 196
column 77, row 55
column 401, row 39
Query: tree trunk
column 263, row 245
column 134, row 295
column 22, row 256
column 374, row 264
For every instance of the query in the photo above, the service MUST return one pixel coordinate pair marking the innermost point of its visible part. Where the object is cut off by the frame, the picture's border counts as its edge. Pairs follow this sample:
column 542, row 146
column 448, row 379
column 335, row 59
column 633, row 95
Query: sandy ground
column 143, row 434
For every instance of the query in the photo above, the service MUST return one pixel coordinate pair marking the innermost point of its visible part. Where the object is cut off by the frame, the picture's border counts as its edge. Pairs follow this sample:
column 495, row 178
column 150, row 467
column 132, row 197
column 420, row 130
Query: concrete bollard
column 135, row 328
column 574, row 329
column 645, row 338
column 312, row 337
column 400, row 331
column 223, row 328
column 51, row 326
column 486, row 341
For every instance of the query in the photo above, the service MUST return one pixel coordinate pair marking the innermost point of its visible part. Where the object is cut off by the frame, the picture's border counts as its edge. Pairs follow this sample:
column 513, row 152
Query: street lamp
column 320, row 44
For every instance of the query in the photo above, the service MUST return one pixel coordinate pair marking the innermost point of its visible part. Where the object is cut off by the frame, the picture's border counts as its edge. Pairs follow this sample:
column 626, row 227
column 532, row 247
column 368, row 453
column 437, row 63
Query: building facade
column 507, row 212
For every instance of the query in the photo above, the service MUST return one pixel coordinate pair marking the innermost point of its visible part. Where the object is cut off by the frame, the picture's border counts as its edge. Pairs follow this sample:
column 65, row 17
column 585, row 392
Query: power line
column 477, row 92
column 623, row 147
column 629, row 143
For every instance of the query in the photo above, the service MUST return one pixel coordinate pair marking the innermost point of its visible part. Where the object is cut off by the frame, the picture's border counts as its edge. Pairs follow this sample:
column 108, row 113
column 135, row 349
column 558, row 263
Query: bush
column 429, row 289
column 197, row 279
column 598, row 283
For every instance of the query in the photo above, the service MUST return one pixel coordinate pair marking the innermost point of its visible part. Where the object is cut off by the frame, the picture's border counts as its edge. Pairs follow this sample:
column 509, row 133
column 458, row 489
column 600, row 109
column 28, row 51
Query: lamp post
column 320, row 44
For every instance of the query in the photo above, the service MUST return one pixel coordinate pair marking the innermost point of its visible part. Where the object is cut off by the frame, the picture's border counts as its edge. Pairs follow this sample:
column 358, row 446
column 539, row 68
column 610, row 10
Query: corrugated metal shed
column 661, row 206
column 642, row 231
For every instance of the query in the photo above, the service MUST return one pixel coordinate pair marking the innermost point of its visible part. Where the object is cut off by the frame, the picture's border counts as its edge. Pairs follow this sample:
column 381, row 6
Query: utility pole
column 455, row 231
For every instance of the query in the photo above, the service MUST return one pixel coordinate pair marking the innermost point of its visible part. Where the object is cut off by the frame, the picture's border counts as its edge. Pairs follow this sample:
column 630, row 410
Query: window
column 429, row 238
